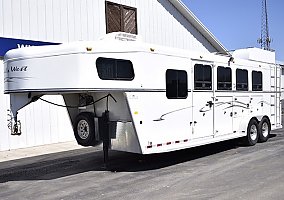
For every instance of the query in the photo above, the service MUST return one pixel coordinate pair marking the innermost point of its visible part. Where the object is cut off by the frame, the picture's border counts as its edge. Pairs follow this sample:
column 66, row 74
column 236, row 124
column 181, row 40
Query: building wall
column 61, row 21
column 68, row 20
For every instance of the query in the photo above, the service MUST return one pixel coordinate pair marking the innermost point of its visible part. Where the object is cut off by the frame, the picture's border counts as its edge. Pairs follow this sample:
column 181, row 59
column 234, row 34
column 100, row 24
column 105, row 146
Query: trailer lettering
column 18, row 69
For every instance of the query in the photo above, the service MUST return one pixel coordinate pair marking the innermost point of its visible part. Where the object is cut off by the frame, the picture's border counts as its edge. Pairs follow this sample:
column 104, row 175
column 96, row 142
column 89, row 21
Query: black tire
column 84, row 129
column 264, row 127
column 252, row 133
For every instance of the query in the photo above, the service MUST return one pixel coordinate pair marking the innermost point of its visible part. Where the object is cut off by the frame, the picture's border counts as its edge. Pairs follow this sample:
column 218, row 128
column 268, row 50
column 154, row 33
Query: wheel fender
column 244, row 125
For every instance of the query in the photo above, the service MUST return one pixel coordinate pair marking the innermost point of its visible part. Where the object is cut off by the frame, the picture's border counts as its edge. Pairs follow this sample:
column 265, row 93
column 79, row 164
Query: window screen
column 242, row 79
column 256, row 81
column 224, row 78
column 176, row 84
column 114, row 69
column 202, row 77
column 120, row 18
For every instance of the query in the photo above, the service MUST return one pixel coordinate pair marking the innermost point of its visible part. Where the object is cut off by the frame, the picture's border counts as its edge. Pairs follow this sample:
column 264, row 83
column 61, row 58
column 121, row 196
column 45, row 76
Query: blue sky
column 237, row 23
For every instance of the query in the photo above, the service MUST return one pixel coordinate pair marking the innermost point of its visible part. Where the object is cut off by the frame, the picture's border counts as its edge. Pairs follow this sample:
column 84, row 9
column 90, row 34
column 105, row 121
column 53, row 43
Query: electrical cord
column 92, row 103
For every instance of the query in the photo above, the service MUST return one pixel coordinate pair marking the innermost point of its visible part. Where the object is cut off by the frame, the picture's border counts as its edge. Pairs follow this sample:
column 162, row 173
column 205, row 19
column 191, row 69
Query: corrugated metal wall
column 158, row 21
column 52, row 20
column 68, row 20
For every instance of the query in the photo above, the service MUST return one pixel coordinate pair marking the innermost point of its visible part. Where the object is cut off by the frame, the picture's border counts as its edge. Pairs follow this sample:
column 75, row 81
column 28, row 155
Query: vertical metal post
column 105, row 135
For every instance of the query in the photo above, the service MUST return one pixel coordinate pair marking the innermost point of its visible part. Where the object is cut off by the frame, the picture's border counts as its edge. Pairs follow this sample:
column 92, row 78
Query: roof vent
column 121, row 36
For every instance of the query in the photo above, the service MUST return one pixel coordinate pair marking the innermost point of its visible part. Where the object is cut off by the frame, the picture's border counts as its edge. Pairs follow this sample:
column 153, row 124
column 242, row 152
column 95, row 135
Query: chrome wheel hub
column 264, row 129
column 83, row 129
column 253, row 132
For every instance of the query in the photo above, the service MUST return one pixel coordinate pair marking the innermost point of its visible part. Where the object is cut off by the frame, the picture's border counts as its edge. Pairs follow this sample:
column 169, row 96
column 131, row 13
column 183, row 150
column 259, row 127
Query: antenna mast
column 264, row 39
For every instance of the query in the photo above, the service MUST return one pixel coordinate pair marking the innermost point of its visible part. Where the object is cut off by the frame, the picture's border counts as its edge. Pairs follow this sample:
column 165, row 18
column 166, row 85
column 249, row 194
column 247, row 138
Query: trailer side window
column 115, row 69
column 224, row 78
column 176, row 84
column 202, row 77
column 256, row 81
column 242, row 79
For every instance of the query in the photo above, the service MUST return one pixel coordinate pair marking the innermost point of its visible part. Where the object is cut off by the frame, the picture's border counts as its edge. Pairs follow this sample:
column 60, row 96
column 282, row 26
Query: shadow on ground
column 53, row 166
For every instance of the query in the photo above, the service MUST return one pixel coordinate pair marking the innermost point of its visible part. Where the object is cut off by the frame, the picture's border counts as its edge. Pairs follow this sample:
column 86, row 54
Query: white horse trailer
column 143, row 98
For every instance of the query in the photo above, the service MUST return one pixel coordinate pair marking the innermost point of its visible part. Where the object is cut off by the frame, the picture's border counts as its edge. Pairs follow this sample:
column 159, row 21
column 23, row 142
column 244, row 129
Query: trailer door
column 223, row 104
column 202, row 100
column 223, row 115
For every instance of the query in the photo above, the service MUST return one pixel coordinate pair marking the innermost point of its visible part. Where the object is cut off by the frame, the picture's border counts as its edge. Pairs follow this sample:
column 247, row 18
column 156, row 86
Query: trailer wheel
column 84, row 129
column 252, row 133
column 264, row 127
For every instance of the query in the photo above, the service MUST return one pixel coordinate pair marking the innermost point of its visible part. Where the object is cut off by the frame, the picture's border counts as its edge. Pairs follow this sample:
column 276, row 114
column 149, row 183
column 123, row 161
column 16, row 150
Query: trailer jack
column 105, row 135
column 14, row 124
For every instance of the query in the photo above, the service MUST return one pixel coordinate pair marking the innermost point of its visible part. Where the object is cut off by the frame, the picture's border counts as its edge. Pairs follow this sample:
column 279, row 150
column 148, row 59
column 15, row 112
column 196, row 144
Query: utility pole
column 264, row 39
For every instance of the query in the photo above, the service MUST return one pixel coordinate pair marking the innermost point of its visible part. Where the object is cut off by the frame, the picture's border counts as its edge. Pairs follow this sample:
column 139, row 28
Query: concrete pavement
column 15, row 154
column 223, row 170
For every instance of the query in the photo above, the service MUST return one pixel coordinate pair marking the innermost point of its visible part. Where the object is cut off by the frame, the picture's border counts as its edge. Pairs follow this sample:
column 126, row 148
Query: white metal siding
column 158, row 22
